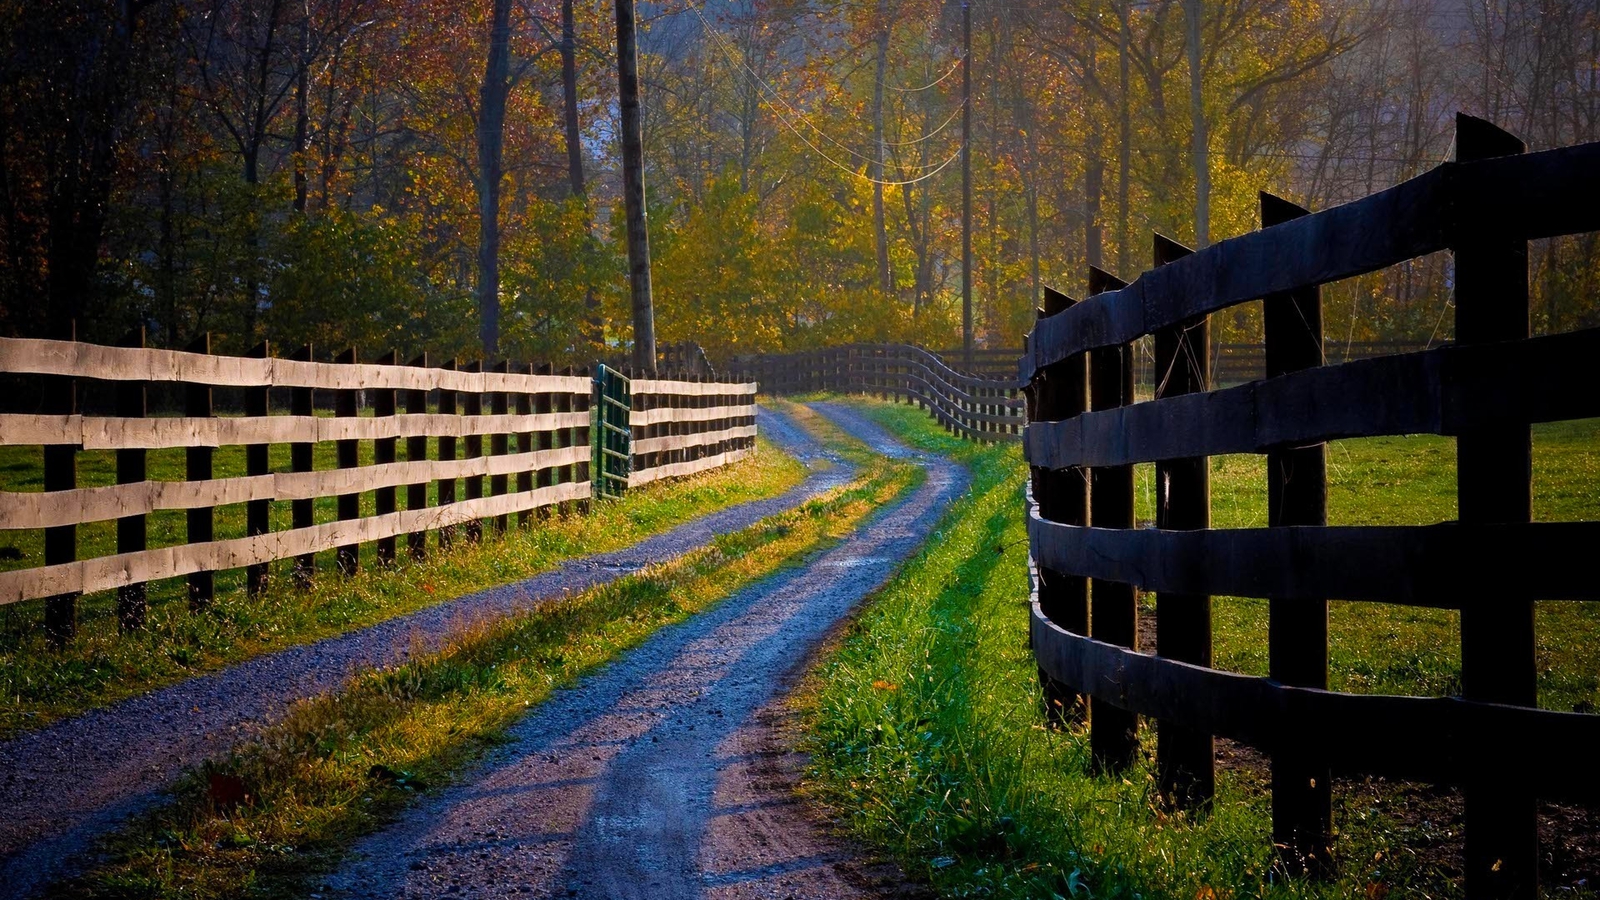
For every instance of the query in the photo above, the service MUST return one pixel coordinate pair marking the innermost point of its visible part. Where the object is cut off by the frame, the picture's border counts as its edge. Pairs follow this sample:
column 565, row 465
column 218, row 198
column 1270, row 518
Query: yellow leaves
column 881, row 685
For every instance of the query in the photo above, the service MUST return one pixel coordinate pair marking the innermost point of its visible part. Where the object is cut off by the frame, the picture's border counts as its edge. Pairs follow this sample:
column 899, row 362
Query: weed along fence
column 1085, row 434
column 419, row 448
column 983, row 409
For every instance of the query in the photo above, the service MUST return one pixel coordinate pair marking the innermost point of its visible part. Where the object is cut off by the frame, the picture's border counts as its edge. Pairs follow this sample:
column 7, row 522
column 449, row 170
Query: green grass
column 929, row 742
column 340, row 766
column 39, row 685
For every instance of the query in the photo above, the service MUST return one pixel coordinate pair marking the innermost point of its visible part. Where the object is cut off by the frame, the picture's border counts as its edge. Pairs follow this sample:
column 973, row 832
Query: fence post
column 348, row 456
column 132, row 531
column 302, row 458
column 1184, row 762
column 565, row 438
column 417, row 451
column 257, row 461
column 542, row 405
column 473, row 409
column 384, row 452
column 1114, row 732
column 198, row 467
column 524, row 407
column 584, row 435
column 499, row 444
column 61, row 474
column 1493, row 486
column 1297, row 641
column 1059, row 392
column 447, row 453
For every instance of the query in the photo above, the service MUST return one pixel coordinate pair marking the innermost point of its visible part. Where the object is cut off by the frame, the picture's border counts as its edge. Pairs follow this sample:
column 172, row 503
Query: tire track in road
column 652, row 777
column 67, row 784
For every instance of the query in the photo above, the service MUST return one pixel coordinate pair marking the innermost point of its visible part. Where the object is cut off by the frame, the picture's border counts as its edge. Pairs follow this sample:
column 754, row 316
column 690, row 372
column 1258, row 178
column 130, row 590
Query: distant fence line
column 538, row 454
column 1085, row 433
column 981, row 409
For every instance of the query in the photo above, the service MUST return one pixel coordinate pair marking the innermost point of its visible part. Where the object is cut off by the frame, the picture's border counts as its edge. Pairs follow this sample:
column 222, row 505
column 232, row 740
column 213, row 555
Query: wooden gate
column 612, row 435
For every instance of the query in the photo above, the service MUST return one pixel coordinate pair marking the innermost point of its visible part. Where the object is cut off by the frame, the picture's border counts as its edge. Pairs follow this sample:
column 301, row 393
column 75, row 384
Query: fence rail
column 977, row 408
column 538, row 454
column 1085, row 433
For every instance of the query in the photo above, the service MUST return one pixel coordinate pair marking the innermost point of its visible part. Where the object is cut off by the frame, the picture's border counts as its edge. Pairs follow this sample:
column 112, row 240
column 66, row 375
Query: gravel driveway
column 658, row 776
column 65, row 785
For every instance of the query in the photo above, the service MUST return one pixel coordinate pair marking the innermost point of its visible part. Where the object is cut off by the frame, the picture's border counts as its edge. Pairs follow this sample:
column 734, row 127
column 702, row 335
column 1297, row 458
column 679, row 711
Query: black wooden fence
column 1085, row 434
column 981, row 409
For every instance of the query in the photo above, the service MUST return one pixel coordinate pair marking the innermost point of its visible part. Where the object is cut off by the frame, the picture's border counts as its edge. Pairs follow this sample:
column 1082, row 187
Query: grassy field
column 39, row 685
column 928, row 740
column 341, row 765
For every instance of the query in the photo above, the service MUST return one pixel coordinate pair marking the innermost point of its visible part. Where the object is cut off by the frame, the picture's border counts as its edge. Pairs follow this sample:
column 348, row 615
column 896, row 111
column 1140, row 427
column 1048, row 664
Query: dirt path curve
column 68, row 783
column 657, row 777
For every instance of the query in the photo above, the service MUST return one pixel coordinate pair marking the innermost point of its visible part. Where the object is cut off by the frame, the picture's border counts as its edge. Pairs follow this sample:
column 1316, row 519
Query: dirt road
column 664, row 775
column 63, row 786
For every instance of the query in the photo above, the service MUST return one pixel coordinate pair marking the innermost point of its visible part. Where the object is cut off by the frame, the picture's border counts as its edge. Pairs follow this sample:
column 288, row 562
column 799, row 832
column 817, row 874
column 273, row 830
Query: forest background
column 443, row 176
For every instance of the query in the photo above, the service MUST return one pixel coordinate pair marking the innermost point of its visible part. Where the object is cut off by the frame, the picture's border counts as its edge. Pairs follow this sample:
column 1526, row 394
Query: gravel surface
column 65, row 785
column 664, row 775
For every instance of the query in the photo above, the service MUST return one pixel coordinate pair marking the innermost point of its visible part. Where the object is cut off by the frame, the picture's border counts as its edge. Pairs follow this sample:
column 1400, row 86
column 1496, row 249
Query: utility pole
column 644, row 316
column 966, row 184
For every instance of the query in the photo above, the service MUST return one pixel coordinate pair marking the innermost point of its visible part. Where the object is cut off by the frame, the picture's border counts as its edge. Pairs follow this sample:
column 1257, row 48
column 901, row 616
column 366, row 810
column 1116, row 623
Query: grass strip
column 340, row 766
column 39, row 685
column 928, row 741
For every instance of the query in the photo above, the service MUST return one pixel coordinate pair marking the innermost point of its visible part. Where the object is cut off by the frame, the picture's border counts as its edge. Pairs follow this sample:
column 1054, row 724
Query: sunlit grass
column 39, row 685
column 928, row 738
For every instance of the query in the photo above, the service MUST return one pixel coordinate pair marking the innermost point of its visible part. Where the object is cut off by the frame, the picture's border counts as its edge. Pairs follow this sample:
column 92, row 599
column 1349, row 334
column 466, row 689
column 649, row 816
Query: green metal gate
column 612, row 436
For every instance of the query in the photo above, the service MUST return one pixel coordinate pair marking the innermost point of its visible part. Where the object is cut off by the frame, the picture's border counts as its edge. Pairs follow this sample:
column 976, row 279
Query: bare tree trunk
column 1094, row 172
column 1125, row 136
column 491, row 146
column 644, row 317
column 1197, row 118
column 593, row 326
column 302, row 110
column 879, row 220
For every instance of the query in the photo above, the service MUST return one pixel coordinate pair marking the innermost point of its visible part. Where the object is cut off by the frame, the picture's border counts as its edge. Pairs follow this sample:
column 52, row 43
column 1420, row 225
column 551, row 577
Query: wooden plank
column 19, row 509
column 1514, row 198
column 1430, row 739
column 110, row 572
column 1444, row 391
column 1185, row 770
column 81, row 360
column 688, row 467
column 673, row 442
column 96, row 433
column 1113, row 614
column 1494, row 474
column 1297, row 629
column 198, row 462
column 685, row 388
column 1408, row 565
column 132, row 526
column 639, row 418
